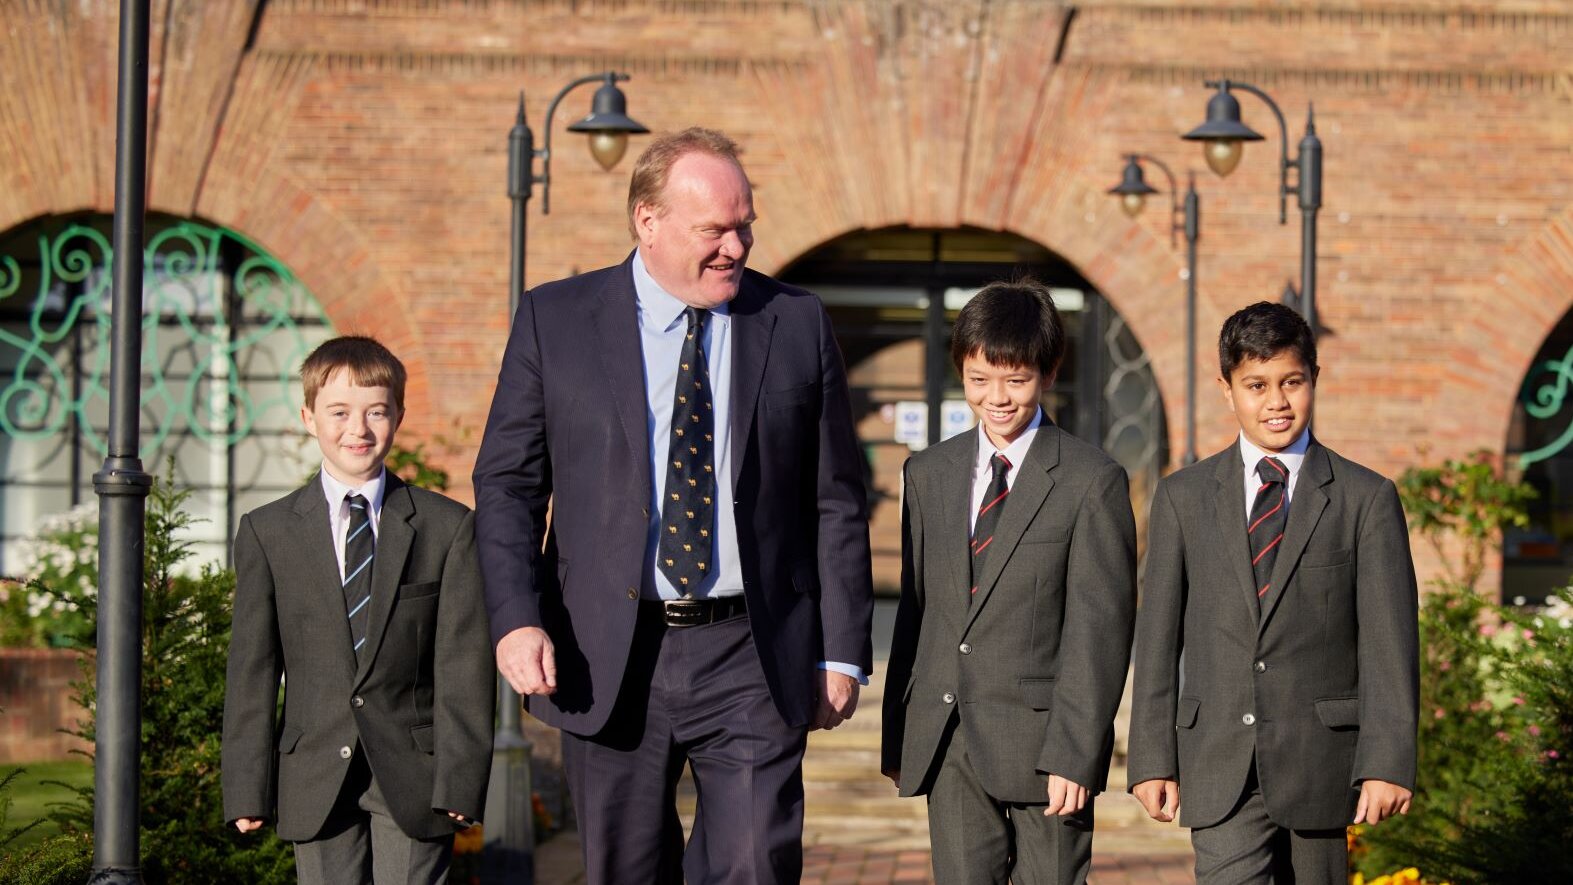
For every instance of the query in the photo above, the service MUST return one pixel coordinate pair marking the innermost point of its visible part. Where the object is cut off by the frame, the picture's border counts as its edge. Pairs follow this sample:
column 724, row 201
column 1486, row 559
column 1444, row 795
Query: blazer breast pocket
column 1329, row 559
column 788, row 397
column 419, row 591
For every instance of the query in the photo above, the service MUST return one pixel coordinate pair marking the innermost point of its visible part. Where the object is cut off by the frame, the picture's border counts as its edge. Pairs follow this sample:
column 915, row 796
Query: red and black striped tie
column 1269, row 514
column 989, row 515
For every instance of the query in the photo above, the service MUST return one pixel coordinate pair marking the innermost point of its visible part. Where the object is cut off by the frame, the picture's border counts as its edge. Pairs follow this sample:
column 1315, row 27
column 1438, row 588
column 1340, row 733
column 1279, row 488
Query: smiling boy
column 1276, row 656
column 359, row 590
column 1013, row 631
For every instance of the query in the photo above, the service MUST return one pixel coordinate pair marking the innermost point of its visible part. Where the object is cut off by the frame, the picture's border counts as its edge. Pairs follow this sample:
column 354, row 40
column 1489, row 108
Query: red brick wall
column 35, row 704
column 362, row 142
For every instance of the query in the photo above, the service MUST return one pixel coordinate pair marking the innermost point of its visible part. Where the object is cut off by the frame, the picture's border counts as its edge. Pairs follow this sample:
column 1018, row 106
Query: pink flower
column 1501, row 735
column 1488, row 629
column 1445, row 666
column 1529, row 634
column 1553, row 754
column 1518, row 700
column 1534, row 730
column 1440, row 713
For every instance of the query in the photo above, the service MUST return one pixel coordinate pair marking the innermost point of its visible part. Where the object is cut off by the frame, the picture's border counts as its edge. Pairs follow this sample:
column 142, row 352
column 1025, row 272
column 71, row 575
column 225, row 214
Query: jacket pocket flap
column 1038, row 693
column 1185, row 714
column 422, row 736
column 789, row 396
column 415, row 591
column 289, row 737
column 1339, row 712
column 1324, row 560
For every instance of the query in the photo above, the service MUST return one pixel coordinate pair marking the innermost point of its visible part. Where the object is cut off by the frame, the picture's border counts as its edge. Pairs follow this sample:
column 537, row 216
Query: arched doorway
column 225, row 328
column 1538, row 559
column 893, row 295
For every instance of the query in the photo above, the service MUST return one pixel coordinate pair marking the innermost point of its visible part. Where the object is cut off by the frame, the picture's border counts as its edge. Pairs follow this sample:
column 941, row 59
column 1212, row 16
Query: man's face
column 696, row 243
column 1272, row 399
column 1005, row 398
column 354, row 427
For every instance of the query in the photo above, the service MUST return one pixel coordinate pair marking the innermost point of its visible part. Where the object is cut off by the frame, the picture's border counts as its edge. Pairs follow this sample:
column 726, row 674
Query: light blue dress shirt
column 661, row 332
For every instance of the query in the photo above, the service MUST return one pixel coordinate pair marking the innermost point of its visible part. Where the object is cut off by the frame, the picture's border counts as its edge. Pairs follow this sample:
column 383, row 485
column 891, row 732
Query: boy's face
column 1005, row 398
column 1272, row 399
column 354, row 427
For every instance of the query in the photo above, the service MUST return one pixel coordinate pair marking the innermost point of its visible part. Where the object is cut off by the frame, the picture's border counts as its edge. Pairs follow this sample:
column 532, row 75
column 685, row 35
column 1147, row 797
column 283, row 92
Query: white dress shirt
column 983, row 472
column 1291, row 457
column 339, row 511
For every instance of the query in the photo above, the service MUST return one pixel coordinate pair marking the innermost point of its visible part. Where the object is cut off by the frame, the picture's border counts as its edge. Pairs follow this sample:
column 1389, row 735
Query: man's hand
column 1380, row 800
column 1160, row 796
column 838, row 697
column 1065, row 797
column 525, row 658
column 248, row 824
column 895, row 776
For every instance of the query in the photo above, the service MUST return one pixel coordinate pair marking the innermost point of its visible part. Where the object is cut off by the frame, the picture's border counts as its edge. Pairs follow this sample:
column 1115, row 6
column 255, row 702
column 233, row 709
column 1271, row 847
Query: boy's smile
column 354, row 427
column 1272, row 399
column 1005, row 398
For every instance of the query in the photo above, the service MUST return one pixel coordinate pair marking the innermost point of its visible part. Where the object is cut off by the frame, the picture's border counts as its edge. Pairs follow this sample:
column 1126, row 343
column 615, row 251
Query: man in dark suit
column 703, row 592
column 365, row 594
column 1009, row 652
column 1276, row 676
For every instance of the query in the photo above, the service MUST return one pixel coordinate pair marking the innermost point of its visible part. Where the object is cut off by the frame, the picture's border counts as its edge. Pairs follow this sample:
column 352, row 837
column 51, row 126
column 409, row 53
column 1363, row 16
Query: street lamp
column 1223, row 137
column 608, row 127
column 509, row 854
column 1132, row 191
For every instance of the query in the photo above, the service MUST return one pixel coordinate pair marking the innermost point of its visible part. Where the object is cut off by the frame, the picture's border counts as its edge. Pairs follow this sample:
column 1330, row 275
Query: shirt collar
column 337, row 491
column 1016, row 452
column 1292, row 457
column 661, row 307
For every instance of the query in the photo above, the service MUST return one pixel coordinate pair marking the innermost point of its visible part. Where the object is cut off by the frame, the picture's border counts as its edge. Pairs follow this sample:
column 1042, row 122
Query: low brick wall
column 35, row 704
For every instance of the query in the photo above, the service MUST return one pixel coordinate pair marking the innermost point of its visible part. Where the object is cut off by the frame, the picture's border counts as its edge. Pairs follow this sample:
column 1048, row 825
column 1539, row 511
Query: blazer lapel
column 1027, row 494
column 1305, row 510
column 614, row 321
column 953, row 536
column 1231, row 515
column 395, row 534
column 751, row 335
column 325, row 589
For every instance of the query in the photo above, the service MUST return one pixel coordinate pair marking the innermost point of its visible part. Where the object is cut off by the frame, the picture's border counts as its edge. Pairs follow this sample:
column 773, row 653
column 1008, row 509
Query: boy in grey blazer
column 1276, row 676
column 365, row 594
column 1017, row 599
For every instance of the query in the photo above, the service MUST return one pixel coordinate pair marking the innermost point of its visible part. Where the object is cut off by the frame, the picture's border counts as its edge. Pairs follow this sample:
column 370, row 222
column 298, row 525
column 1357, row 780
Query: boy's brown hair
column 369, row 364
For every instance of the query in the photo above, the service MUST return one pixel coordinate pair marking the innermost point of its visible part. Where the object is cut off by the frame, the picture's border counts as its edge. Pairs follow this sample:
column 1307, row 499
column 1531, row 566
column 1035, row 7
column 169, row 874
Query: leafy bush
column 48, row 604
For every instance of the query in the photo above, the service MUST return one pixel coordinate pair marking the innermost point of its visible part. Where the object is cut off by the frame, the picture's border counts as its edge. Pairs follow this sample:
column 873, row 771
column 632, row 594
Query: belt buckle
column 686, row 612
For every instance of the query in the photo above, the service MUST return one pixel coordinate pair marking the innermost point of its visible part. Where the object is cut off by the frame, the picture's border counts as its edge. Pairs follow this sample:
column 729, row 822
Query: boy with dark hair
column 1276, row 661
column 365, row 594
column 1017, row 597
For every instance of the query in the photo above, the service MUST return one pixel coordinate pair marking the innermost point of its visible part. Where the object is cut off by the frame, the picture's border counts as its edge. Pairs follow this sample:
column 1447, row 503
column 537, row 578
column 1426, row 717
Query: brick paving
column 836, row 865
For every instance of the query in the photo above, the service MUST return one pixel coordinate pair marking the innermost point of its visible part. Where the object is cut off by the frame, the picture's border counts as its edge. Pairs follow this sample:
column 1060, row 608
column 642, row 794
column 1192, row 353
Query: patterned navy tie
column 688, row 510
column 989, row 515
column 359, row 547
column 1269, row 515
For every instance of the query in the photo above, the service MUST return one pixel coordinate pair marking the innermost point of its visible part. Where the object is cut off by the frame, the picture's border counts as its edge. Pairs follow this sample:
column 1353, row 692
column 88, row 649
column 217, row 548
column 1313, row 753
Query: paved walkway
column 856, row 831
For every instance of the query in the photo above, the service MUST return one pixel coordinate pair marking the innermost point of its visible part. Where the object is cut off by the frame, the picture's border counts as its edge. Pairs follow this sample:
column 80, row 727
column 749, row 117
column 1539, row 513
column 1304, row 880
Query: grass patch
column 31, row 796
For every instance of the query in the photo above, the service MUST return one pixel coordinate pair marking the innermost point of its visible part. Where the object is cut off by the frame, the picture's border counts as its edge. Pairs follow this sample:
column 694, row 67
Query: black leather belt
column 696, row 612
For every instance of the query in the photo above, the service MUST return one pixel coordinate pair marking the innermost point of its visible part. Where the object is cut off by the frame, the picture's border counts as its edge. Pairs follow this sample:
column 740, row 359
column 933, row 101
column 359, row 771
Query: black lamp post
column 509, row 851
column 1132, row 191
column 1224, row 135
column 122, row 487
column 608, row 126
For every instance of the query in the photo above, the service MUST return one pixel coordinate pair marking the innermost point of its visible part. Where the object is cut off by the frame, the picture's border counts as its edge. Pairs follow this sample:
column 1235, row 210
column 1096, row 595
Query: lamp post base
column 508, row 852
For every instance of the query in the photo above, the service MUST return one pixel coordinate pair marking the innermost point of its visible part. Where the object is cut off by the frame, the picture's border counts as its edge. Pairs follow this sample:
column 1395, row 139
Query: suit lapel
column 1305, row 510
column 324, row 590
column 751, row 331
column 954, row 493
column 1231, row 516
column 1027, row 494
column 395, row 534
column 614, row 321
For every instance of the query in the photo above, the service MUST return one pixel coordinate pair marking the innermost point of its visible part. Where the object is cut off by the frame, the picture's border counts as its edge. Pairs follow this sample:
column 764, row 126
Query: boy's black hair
column 1263, row 331
column 1011, row 324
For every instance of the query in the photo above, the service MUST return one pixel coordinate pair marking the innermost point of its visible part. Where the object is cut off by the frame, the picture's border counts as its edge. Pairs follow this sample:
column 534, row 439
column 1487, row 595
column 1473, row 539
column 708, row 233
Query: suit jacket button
column 357, row 702
column 966, row 648
column 1260, row 667
column 1249, row 719
column 345, row 752
column 632, row 593
column 948, row 698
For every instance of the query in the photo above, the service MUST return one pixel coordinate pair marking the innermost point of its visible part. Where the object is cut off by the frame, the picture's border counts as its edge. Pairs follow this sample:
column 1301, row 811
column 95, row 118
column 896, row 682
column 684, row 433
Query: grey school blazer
column 1036, row 661
column 1321, row 687
column 419, row 700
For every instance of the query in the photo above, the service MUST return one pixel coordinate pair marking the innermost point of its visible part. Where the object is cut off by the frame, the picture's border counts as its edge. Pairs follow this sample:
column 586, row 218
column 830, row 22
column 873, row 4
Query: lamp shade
column 1133, row 188
column 1223, row 134
column 608, row 125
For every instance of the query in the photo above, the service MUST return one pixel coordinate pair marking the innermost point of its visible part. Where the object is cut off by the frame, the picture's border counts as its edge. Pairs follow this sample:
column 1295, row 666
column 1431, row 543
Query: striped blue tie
column 359, row 547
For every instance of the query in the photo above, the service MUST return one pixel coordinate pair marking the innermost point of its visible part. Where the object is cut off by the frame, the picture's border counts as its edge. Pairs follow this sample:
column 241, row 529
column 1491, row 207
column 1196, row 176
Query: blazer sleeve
column 909, row 624
column 1387, row 602
column 846, row 581
column 249, row 754
column 1095, row 641
column 465, row 687
column 513, row 483
column 1153, row 746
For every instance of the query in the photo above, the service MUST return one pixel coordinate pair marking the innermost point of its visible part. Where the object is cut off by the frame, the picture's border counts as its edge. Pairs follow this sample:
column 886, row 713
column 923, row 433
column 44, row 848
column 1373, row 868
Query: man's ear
column 646, row 217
